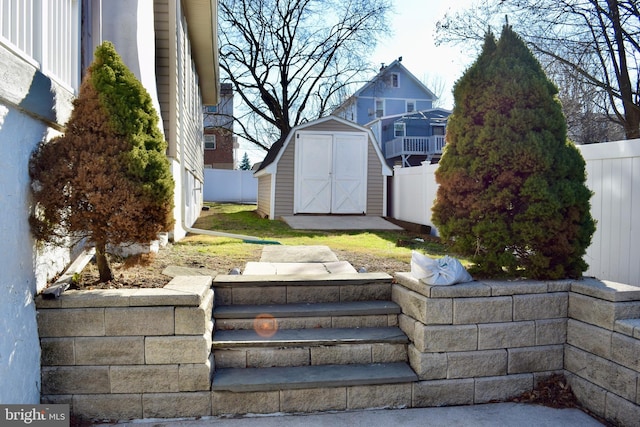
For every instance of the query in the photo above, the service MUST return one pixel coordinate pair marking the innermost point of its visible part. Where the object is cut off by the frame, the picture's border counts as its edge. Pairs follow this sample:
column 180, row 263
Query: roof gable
column 276, row 150
column 396, row 67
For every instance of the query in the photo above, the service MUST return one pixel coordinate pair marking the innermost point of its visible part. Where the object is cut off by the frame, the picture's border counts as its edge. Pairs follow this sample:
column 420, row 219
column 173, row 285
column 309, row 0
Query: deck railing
column 45, row 33
column 414, row 145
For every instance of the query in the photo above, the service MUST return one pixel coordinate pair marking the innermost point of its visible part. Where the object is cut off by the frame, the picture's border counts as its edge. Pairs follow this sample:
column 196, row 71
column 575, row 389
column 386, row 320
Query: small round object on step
column 362, row 270
column 235, row 271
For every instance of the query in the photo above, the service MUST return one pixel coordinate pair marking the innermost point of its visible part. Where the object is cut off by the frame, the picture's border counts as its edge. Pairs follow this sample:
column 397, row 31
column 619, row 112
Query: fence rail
column 613, row 174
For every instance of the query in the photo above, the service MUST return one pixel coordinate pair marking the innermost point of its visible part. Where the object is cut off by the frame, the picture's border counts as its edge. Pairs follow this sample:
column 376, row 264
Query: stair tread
column 317, row 336
column 239, row 280
column 355, row 308
column 299, row 377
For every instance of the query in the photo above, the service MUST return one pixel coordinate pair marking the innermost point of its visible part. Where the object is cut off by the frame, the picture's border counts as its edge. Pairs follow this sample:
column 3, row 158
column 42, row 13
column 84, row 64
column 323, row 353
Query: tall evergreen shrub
column 512, row 192
column 107, row 178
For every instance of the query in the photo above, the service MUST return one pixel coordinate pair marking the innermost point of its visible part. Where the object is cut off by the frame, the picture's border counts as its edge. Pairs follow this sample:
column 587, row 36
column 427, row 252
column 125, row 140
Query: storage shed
column 327, row 166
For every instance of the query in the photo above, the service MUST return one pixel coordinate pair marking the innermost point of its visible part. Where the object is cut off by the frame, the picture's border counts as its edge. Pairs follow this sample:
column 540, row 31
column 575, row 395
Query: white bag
column 444, row 271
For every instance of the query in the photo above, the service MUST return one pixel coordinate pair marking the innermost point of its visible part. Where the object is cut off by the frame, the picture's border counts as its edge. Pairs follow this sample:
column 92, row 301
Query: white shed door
column 349, row 174
column 313, row 173
column 330, row 173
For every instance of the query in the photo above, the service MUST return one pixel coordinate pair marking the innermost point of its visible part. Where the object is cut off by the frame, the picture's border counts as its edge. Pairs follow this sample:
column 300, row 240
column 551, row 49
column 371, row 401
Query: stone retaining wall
column 602, row 355
column 493, row 340
column 482, row 341
column 129, row 353
column 147, row 353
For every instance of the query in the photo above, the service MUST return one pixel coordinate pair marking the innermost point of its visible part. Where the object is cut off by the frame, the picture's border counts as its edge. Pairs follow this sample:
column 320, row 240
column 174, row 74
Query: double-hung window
column 398, row 130
column 379, row 107
column 395, row 80
column 209, row 142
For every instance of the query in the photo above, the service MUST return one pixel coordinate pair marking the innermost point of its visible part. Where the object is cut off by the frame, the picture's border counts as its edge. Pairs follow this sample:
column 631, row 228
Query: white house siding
column 130, row 26
column 33, row 108
column 181, row 107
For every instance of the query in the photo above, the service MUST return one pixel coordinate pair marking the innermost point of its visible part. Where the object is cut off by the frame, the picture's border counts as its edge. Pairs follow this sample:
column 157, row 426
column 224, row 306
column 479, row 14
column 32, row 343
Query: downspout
column 245, row 239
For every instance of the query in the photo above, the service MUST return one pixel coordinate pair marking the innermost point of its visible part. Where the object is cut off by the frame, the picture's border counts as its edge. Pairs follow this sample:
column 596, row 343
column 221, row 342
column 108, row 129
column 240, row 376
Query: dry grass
column 385, row 251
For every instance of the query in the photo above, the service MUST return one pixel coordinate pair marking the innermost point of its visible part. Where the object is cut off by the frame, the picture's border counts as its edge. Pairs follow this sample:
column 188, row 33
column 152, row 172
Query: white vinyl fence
column 225, row 185
column 613, row 174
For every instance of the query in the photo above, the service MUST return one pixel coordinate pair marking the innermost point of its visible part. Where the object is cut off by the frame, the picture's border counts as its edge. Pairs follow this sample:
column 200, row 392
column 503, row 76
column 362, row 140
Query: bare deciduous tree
column 289, row 60
column 595, row 41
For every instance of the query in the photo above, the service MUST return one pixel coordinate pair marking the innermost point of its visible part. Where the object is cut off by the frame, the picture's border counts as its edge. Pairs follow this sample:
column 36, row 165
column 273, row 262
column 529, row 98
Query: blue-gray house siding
column 398, row 108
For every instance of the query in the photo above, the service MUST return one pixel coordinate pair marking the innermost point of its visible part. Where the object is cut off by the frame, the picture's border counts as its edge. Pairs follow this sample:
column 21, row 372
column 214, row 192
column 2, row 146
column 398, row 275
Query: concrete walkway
column 489, row 415
column 339, row 222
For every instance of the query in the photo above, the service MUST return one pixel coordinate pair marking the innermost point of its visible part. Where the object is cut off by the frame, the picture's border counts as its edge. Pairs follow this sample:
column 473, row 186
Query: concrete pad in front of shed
column 270, row 268
column 298, row 254
column 339, row 222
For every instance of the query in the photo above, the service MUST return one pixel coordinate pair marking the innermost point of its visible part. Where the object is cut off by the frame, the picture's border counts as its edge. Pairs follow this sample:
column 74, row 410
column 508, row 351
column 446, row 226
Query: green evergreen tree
column 107, row 178
column 512, row 192
column 245, row 165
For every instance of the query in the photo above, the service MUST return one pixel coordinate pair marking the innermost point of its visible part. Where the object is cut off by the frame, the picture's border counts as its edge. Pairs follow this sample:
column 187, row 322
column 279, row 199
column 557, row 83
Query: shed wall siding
column 264, row 196
column 284, row 182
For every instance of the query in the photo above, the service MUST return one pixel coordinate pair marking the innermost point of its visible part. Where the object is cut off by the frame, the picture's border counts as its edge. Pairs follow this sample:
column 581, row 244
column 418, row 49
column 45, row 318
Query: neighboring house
column 409, row 139
column 399, row 110
column 171, row 46
column 327, row 166
column 219, row 142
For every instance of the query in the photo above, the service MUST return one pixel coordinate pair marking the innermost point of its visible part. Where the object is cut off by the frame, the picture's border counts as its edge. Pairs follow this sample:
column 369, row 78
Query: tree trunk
column 104, row 268
column 631, row 112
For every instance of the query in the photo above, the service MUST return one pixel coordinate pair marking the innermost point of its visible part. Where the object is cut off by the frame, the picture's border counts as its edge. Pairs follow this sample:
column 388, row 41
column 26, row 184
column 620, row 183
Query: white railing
column 413, row 145
column 613, row 174
column 46, row 33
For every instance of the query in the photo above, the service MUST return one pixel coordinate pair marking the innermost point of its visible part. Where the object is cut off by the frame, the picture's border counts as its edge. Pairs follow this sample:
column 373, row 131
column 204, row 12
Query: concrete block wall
column 602, row 355
column 129, row 353
column 481, row 341
column 492, row 340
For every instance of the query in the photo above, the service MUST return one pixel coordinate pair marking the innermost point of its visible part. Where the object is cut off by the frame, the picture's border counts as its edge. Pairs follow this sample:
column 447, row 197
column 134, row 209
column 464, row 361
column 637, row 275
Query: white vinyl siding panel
column 162, row 39
column 178, row 89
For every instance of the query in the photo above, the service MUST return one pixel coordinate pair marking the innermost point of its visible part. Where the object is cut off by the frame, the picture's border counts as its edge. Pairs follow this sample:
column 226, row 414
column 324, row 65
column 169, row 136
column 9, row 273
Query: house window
column 398, row 130
column 411, row 106
column 379, row 107
column 209, row 142
column 395, row 80
column 438, row 130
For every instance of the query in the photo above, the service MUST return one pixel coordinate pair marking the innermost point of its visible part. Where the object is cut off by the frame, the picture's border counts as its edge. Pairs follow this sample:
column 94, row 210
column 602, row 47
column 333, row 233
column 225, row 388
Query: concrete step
column 307, row 377
column 301, row 347
column 297, row 337
column 301, row 288
column 356, row 314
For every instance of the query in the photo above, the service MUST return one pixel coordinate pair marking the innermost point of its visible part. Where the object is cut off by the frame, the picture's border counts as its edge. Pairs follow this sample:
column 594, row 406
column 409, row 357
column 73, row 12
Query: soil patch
column 146, row 271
